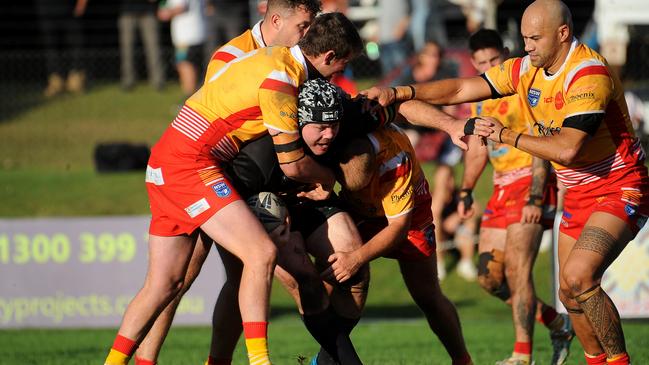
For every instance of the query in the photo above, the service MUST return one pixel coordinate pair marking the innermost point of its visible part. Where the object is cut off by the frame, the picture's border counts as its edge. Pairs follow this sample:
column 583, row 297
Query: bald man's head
column 546, row 28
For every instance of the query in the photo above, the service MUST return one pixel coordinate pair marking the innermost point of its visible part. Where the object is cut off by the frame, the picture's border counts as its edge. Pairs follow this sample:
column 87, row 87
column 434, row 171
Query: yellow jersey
column 582, row 94
column 249, row 40
column 509, row 163
column 241, row 101
column 398, row 185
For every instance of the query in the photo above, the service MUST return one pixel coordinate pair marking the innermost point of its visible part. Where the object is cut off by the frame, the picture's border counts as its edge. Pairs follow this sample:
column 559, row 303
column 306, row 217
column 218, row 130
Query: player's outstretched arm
column 442, row 92
column 422, row 114
column 345, row 264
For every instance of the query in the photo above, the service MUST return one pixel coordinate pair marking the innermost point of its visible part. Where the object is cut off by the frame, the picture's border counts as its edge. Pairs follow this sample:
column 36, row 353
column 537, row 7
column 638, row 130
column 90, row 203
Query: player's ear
column 329, row 57
column 276, row 21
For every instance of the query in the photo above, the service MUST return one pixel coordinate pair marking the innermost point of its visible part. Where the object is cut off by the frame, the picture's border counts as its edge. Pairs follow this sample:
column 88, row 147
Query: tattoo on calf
column 604, row 318
column 525, row 316
column 597, row 240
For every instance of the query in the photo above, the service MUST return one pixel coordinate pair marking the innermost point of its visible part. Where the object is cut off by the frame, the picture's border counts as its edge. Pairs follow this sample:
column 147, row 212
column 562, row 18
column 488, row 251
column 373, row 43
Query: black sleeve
column 494, row 92
column 588, row 123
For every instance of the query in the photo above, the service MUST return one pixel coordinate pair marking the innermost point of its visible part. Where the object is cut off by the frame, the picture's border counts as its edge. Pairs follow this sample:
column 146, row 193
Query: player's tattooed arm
column 533, row 210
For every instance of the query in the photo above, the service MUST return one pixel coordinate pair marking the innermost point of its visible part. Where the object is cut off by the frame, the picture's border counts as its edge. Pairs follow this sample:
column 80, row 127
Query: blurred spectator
column 427, row 23
column 62, row 32
column 612, row 35
column 393, row 22
column 188, row 34
column 436, row 147
column 227, row 19
column 453, row 232
column 479, row 13
column 140, row 14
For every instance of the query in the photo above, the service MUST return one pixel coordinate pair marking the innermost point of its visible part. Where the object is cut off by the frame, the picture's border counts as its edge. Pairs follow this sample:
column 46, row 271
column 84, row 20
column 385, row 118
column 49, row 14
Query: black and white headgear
column 319, row 101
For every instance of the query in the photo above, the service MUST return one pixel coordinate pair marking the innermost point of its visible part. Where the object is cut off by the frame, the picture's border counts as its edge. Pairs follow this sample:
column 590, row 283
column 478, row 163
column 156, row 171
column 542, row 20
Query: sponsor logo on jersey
column 221, row 189
column 533, row 96
column 197, row 208
column 478, row 108
column 558, row 101
column 581, row 96
column 504, row 106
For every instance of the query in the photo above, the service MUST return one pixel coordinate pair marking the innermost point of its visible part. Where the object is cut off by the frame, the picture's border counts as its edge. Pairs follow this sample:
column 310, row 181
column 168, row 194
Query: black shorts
column 308, row 215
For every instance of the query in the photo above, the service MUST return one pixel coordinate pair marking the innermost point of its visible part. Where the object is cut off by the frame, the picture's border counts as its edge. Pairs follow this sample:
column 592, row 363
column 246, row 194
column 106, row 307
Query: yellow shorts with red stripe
column 420, row 244
column 506, row 204
column 184, row 191
column 625, row 194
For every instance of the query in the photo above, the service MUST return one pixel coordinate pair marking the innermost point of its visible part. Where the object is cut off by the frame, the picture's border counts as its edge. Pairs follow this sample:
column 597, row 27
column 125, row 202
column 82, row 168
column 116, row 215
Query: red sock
column 595, row 360
column 255, row 329
column 547, row 315
column 141, row 361
column 124, row 345
column 218, row 361
column 465, row 359
column 524, row 348
column 619, row 360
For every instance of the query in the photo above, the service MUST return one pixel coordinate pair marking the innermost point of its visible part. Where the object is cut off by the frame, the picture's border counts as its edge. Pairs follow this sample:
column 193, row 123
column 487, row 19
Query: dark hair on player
column 485, row 38
column 311, row 6
column 332, row 32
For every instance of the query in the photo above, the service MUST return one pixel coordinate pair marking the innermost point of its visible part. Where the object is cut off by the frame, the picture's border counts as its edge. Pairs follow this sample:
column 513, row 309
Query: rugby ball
column 269, row 208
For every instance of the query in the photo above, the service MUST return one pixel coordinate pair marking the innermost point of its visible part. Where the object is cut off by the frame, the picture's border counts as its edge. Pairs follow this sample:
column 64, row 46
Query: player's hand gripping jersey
column 584, row 95
column 509, row 163
column 249, row 40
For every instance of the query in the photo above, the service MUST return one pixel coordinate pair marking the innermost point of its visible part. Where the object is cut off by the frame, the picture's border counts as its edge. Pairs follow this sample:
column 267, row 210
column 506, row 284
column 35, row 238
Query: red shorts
column 507, row 201
column 624, row 194
column 184, row 191
column 420, row 244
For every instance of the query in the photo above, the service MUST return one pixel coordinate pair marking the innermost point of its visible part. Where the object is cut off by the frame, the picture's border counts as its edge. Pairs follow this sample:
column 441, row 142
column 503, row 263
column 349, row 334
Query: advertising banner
column 83, row 272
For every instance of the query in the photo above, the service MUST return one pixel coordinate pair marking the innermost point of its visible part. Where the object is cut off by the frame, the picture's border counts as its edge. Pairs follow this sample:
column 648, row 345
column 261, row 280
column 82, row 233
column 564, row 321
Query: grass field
column 46, row 169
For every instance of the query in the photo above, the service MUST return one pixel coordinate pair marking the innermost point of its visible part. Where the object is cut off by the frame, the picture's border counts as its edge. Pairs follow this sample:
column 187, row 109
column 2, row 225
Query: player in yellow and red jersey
column 581, row 125
column 521, row 206
column 385, row 190
column 285, row 22
column 249, row 97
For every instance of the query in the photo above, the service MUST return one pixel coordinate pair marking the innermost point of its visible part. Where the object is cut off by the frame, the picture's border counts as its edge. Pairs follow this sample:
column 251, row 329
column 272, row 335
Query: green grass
column 46, row 169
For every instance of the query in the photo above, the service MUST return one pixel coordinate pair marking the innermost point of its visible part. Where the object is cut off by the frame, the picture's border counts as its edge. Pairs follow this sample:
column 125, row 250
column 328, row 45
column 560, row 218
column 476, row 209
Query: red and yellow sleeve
column 504, row 78
column 588, row 92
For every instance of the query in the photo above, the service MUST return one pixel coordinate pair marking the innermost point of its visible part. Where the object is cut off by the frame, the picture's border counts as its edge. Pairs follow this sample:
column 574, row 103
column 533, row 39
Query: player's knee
column 261, row 256
column 490, row 274
column 576, row 279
